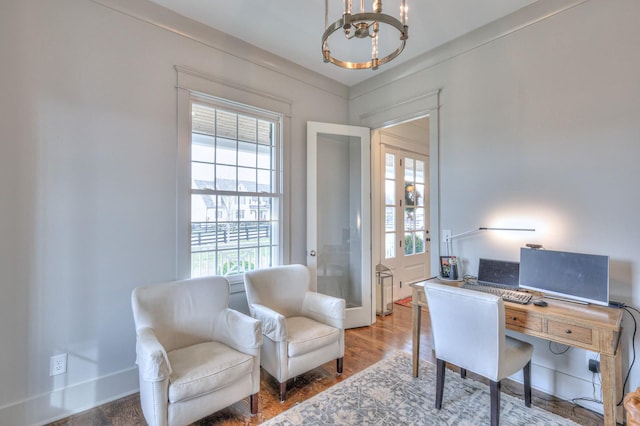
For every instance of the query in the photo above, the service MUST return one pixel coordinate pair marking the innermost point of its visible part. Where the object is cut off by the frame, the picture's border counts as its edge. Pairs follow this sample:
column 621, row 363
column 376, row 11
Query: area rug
column 387, row 394
column 404, row 302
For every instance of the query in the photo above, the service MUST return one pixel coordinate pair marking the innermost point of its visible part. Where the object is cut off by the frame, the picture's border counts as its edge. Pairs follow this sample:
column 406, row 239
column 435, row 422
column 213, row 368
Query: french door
column 339, row 216
column 405, row 201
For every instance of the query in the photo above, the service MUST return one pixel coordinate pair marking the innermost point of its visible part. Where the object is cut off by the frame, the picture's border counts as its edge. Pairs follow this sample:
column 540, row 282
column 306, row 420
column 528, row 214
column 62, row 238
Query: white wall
column 539, row 127
column 88, row 183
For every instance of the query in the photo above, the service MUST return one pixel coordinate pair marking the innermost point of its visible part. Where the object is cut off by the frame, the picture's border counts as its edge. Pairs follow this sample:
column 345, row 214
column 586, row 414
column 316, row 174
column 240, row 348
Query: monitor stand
column 565, row 299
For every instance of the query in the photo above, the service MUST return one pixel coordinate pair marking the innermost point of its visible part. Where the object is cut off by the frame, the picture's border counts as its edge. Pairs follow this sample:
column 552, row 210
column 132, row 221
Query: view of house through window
column 235, row 189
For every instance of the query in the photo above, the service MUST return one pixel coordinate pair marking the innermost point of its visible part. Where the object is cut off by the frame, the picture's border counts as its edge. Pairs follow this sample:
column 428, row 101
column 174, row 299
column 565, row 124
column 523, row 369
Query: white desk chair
column 469, row 331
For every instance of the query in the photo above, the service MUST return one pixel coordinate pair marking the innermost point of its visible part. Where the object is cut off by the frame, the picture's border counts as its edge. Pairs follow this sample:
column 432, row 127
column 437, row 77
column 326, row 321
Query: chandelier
column 366, row 25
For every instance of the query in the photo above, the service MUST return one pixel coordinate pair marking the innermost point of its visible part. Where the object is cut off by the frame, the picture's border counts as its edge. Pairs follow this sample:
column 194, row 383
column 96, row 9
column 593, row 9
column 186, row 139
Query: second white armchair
column 301, row 329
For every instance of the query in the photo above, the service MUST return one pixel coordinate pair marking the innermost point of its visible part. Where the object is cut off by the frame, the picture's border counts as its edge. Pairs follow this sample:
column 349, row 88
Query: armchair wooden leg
column 440, row 372
column 283, row 390
column 339, row 364
column 463, row 373
column 495, row 402
column 253, row 399
column 527, row 384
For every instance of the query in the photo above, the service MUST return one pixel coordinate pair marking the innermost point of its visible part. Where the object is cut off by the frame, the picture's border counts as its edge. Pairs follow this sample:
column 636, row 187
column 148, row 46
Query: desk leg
column 611, row 373
column 417, row 317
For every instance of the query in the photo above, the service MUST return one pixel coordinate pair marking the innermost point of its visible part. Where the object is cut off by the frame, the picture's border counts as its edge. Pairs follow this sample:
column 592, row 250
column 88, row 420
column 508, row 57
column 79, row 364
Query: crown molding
column 532, row 14
column 161, row 17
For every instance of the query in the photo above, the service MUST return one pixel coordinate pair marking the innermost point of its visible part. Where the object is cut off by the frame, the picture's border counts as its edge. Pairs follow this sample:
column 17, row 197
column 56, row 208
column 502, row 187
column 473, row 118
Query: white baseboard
column 564, row 386
column 69, row 400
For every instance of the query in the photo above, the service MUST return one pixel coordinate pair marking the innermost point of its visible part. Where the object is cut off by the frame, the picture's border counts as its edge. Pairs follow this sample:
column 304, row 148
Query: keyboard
column 506, row 295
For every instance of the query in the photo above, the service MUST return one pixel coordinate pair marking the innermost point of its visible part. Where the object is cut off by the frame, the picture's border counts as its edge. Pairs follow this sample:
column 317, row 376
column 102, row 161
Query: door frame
column 421, row 106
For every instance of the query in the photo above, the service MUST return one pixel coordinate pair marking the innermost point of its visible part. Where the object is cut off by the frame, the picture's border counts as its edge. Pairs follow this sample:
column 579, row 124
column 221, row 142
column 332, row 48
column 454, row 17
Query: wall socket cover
column 58, row 364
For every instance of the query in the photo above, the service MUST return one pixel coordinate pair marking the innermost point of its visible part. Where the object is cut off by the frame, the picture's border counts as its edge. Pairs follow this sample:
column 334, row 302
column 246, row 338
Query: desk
column 590, row 327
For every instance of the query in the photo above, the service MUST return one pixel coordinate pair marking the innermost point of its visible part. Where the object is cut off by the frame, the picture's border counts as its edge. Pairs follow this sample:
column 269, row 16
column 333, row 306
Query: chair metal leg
column 254, row 403
column 463, row 373
column 495, row 402
column 440, row 372
column 339, row 364
column 283, row 390
column 527, row 384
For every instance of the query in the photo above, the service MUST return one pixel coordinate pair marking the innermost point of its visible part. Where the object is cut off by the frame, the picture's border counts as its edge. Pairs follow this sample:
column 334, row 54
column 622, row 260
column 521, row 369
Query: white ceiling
column 293, row 28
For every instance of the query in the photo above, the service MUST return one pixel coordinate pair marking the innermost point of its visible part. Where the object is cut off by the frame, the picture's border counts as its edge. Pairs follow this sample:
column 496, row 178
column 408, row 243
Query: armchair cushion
column 306, row 335
column 205, row 368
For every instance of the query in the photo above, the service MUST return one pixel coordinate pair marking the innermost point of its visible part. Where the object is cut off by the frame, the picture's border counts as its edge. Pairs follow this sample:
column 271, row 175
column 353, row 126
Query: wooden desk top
column 591, row 327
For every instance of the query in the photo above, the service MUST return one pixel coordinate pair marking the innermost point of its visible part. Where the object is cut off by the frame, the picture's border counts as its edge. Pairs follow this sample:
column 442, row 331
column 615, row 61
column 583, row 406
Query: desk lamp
column 451, row 263
column 482, row 228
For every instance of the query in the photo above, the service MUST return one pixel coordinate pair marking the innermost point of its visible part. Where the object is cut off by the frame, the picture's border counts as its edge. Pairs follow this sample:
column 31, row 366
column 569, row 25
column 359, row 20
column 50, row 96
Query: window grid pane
column 389, row 245
column 409, row 243
column 390, row 166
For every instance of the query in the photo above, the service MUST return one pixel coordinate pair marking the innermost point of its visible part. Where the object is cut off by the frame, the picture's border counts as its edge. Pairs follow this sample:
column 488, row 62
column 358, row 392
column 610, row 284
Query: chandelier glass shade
column 367, row 25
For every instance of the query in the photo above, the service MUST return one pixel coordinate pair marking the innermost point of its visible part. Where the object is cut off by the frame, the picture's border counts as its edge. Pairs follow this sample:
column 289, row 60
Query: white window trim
column 190, row 83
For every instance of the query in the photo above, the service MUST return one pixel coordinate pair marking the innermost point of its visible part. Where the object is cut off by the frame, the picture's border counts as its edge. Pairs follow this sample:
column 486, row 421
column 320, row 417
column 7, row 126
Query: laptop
column 500, row 278
column 499, row 273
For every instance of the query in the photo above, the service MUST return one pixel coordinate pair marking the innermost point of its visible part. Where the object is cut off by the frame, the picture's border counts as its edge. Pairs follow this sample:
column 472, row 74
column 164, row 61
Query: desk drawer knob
column 567, row 331
column 514, row 318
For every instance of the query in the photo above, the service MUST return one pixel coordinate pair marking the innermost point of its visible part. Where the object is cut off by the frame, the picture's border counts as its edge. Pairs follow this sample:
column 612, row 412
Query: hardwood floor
column 363, row 347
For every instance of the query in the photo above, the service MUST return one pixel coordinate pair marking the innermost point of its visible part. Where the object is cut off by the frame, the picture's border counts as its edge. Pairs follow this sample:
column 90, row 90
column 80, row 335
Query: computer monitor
column 573, row 276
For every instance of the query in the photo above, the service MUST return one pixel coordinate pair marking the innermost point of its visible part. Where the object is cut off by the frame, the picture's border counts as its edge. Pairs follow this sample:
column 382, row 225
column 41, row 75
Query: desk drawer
column 570, row 332
column 522, row 319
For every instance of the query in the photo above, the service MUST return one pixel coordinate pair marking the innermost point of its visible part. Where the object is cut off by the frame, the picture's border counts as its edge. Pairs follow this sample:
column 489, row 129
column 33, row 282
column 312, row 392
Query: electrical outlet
column 57, row 364
column 446, row 234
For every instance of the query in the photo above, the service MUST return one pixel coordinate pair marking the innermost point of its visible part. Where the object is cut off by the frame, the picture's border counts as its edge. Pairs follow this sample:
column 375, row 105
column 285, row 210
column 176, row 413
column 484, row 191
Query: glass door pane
column 338, row 216
column 414, row 223
column 339, row 232
column 390, row 223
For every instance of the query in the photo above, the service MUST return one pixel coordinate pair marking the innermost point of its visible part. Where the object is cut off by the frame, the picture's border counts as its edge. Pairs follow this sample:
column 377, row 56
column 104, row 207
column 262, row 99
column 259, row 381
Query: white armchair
column 195, row 356
column 302, row 329
column 469, row 331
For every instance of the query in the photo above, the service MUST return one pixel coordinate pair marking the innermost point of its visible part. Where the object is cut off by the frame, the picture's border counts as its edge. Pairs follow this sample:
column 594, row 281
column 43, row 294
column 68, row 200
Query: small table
column 594, row 328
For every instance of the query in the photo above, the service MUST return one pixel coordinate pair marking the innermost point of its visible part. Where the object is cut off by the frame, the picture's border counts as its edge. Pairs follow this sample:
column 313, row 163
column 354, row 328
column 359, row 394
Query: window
column 235, row 188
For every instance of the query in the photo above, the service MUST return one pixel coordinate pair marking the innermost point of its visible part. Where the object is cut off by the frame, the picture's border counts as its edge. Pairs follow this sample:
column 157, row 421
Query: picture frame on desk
column 449, row 267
